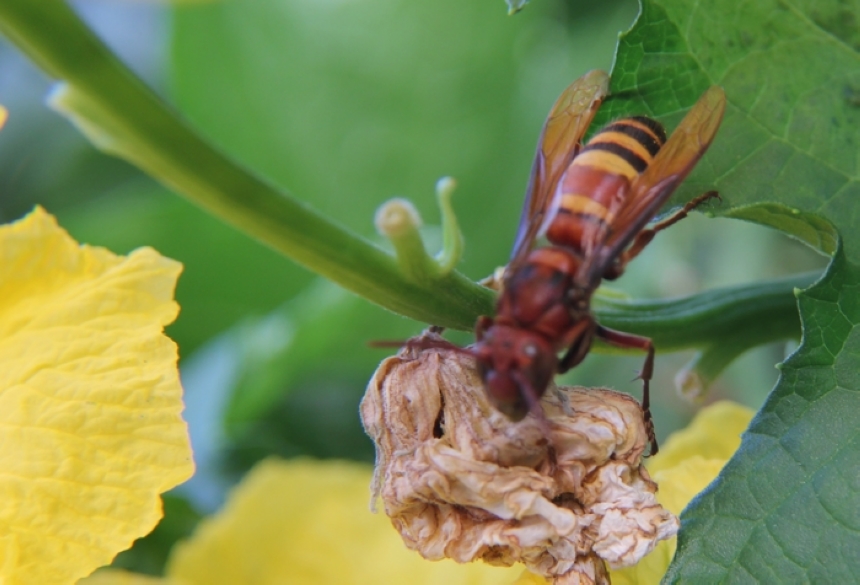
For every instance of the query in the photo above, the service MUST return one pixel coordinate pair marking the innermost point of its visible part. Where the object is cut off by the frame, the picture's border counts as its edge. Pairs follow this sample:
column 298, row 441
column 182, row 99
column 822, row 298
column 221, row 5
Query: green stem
column 121, row 115
column 740, row 317
column 452, row 238
column 722, row 323
column 693, row 379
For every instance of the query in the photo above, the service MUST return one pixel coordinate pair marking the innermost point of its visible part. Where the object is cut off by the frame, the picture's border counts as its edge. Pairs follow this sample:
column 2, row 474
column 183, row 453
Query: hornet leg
column 620, row 339
column 645, row 236
column 579, row 341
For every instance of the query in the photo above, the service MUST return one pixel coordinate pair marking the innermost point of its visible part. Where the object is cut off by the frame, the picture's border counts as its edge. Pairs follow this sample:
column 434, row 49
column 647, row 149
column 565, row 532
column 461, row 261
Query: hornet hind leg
column 621, row 339
column 645, row 236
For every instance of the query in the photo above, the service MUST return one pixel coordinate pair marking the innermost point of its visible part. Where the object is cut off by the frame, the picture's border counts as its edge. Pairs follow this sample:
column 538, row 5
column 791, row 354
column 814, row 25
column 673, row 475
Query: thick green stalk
column 722, row 323
column 745, row 315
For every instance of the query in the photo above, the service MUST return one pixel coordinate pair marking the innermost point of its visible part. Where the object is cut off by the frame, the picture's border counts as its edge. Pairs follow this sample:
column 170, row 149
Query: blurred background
column 345, row 103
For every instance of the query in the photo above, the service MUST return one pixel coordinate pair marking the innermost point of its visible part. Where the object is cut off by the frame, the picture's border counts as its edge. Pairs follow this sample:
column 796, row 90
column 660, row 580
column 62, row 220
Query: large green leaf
column 787, row 150
column 785, row 508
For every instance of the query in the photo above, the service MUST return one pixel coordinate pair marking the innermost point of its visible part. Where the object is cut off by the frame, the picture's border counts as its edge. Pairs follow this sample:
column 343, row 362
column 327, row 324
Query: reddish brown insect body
column 593, row 204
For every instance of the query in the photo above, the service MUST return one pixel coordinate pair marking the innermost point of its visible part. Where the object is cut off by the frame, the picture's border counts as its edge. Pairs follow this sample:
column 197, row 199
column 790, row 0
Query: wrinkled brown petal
column 459, row 480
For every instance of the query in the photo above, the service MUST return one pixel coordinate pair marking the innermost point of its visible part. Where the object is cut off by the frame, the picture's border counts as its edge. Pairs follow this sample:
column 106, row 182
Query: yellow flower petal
column 681, row 483
column 714, row 433
column 305, row 522
column 90, row 401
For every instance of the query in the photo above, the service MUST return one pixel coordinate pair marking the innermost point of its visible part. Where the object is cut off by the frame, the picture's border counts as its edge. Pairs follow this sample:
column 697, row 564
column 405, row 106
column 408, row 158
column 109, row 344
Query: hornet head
column 516, row 366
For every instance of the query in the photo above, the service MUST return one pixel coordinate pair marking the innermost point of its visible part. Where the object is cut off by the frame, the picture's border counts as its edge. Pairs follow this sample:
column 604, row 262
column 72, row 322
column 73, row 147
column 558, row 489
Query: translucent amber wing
column 565, row 126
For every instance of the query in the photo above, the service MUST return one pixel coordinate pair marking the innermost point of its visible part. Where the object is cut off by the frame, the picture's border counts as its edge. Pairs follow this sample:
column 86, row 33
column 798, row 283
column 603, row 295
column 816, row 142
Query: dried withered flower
column 458, row 479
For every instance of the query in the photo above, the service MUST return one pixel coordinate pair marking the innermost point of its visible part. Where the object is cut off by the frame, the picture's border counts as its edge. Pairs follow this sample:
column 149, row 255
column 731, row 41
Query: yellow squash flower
column 90, row 402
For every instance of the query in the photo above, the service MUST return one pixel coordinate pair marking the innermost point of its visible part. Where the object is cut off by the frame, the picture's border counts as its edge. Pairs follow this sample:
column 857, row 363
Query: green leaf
column 785, row 509
column 787, row 149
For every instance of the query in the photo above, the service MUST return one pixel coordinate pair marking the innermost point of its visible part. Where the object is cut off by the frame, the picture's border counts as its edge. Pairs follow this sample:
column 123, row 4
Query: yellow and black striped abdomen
column 597, row 182
column 624, row 147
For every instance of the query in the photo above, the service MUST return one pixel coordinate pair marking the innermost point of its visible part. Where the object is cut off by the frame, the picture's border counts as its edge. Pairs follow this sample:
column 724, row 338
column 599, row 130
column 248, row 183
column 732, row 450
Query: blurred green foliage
column 346, row 104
